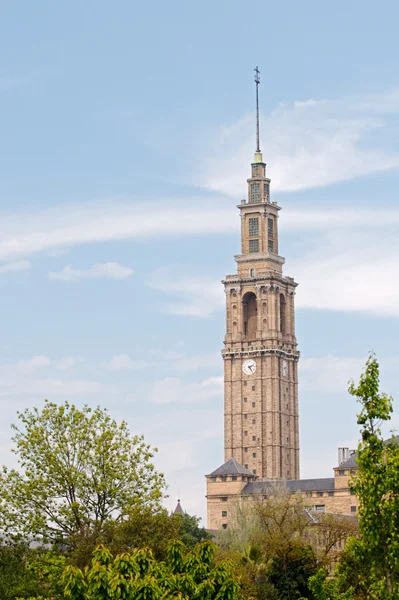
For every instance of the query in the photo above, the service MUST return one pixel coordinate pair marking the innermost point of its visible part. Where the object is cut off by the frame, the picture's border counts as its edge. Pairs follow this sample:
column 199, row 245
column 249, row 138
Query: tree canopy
column 78, row 469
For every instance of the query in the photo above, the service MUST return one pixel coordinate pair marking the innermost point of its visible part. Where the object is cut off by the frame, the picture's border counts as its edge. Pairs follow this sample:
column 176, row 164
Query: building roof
column 351, row 463
column 294, row 485
column 178, row 510
column 231, row 467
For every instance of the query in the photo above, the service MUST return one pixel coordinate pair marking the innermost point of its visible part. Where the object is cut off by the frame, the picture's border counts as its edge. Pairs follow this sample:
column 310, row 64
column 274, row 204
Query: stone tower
column 260, row 353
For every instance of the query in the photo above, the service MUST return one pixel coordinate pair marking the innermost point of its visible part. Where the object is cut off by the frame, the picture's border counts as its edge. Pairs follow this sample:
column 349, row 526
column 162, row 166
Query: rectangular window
column 255, row 171
column 245, row 449
column 254, row 245
column 224, row 499
column 253, row 421
column 331, row 493
column 253, row 227
column 270, row 246
column 253, row 388
column 253, row 404
column 270, row 227
column 224, row 513
column 223, row 478
column 245, row 399
column 245, row 416
column 245, row 432
column 266, row 189
column 253, row 454
column 234, row 478
column 224, row 526
column 246, row 466
column 320, row 508
column 341, row 472
column 254, row 471
column 213, row 479
column 254, row 438
column 309, row 494
column 353, row 508
column 353, row 493
column 319, row 493
column 252, row 272
column 245, row 382
column 255, row 193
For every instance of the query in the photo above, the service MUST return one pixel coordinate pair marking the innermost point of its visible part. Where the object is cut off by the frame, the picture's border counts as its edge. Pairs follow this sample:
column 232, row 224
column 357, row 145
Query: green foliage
column 16, row 578
column 290, row 574
column 79, row 469
column 142, row 528
column 376, row 484
column 138, row 576
column 190, row 532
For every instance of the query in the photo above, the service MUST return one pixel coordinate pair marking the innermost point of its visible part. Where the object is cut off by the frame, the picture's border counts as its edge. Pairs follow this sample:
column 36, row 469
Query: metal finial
column 257, row 82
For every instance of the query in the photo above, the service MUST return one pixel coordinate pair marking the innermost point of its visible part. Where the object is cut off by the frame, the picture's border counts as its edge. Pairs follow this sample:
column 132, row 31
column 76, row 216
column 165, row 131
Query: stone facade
column 260, row 350
column 225, row 487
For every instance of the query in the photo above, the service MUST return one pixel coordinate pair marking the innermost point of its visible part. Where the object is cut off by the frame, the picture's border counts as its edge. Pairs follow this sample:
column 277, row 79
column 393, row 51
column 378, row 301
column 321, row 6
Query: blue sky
column 126, row 134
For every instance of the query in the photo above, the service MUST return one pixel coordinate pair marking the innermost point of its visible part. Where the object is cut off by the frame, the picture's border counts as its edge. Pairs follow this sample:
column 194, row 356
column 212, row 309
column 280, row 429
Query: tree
column 142, row 528
column 138, row 576
column 16, row 578
column 290, row 573
column 376, row 484
column 79, row 469
column 329, row 534
column 190, row 532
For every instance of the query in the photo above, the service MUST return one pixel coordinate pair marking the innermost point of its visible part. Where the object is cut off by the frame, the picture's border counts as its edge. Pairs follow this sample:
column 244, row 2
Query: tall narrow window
column 282, row 313
column 254, row 245
column 249, row 315
column 270, row 227
column 266, row 190
column 270, row 246
column 255, row 171
column 255, row 193
column 253, row 226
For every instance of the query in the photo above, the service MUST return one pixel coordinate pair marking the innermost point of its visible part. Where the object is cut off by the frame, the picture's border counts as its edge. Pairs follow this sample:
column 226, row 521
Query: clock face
column 285, row 368
column 249, row 366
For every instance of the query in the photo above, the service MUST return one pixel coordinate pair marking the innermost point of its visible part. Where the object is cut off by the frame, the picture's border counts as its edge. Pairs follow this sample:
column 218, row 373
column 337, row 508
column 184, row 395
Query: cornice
column 235, row 353
column 257, row 256
column 260, row 279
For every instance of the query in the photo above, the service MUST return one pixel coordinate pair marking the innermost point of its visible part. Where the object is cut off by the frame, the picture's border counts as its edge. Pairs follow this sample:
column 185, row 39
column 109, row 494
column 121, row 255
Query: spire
column 257, row 82
column 258, row 155
column 178, row 510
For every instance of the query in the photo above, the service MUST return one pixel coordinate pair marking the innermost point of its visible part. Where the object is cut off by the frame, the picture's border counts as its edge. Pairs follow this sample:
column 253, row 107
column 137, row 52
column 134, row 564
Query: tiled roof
column 350, row 463
column 294, row 485
column 231, row 467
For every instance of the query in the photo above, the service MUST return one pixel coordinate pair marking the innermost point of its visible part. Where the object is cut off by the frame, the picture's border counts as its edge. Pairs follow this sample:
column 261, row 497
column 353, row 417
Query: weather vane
column 257, row 81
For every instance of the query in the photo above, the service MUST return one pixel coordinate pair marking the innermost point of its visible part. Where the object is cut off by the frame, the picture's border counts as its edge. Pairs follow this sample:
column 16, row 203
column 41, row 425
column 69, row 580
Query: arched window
column 249, row 315
column 282, row 313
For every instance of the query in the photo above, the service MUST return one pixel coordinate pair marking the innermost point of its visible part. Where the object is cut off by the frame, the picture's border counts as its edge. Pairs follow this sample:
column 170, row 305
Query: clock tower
column 260, row 350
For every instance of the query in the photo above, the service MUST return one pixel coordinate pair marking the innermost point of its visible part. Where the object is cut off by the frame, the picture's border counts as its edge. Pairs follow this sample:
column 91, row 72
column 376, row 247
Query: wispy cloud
column 34, row 378
column 109, row 270
column 13, row 267
column 176, row 390
column 198, row 296
column 26, row 234
column 123, row 362
column 306, row 144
